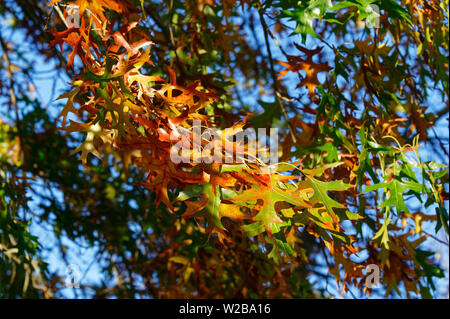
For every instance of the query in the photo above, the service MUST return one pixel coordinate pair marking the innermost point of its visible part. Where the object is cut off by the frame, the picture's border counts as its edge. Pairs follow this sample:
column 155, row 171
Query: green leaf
column 271, row 113
column 253, row 229
column 346, row 215
column 395, row 190
column 383, row 233
column 318, row 170
column 270, row 195
column 279, row 248
column 211, row 210
column 321, row 189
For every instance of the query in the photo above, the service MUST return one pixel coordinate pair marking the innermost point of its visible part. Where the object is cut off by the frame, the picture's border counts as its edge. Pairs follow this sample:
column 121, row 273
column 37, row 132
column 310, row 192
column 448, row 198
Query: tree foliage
column 356, row 89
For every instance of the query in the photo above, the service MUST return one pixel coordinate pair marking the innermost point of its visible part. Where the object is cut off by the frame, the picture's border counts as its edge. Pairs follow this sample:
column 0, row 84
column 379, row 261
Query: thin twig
column 274, row 77
column 275, row 40
column 170, row 25
column 13, row 95
column 60, row 14
column 439, row 141
column 435, row 238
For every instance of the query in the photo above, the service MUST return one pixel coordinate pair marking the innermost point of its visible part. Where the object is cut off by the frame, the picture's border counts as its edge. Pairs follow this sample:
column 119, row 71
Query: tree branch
column 274, row 77
column 13, row 97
